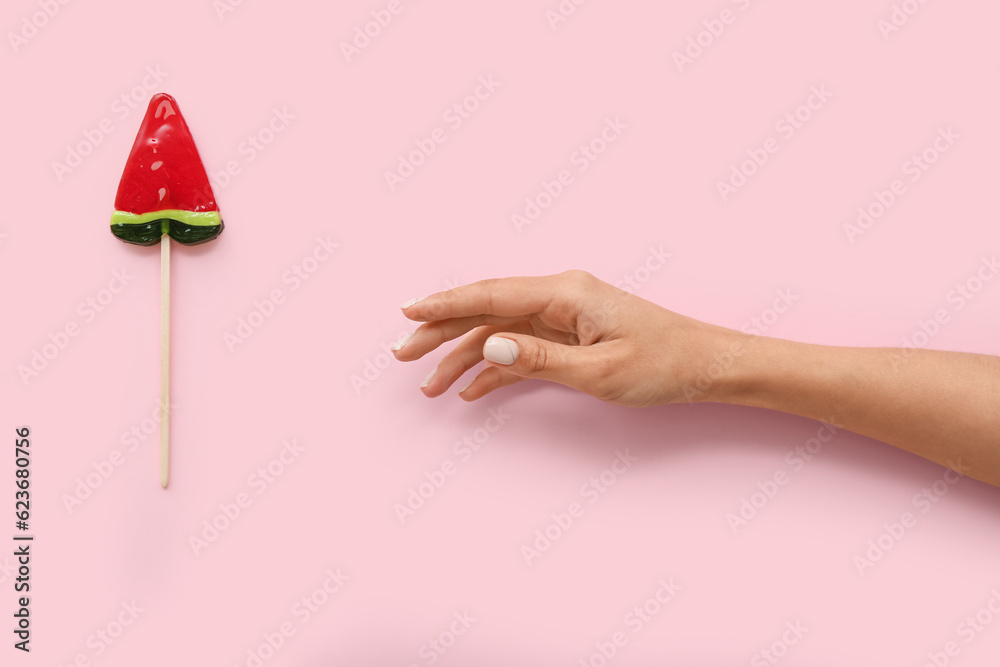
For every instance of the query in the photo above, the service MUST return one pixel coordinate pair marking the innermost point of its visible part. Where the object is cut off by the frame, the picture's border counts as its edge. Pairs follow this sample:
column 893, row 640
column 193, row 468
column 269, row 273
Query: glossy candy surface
column 164, row 188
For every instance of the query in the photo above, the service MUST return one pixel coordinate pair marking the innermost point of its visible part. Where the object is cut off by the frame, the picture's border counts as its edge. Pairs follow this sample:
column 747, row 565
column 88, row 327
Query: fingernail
column 427, row 380
column 410, row 303
column 462, row 390
column 401, row 342
column 500, row 350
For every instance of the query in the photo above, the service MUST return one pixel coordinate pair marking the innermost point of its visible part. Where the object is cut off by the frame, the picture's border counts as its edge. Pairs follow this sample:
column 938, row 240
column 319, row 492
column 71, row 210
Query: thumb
column 530, row 357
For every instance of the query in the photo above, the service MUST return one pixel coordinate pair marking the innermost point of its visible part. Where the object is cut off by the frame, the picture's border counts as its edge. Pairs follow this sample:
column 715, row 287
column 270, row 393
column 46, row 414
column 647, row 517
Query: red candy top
column 164, row 170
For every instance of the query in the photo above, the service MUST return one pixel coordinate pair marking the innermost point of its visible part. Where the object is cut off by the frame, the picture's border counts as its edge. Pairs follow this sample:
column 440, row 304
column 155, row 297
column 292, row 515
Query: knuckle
column 602, row 377
column 488, row 287
column 580, row 287
column 578, row 278
column 440, row 307
column 537, row 359
column 436, row 333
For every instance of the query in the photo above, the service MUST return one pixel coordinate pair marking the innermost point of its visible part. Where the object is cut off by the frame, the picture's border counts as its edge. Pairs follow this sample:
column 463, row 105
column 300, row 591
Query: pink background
column 450, row 223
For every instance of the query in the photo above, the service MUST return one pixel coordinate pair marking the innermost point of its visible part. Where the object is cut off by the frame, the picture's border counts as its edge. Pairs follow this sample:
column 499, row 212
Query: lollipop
column 164, row 194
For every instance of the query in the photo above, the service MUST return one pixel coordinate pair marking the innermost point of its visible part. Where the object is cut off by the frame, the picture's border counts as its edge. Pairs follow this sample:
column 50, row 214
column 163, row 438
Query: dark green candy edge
column 149, row 233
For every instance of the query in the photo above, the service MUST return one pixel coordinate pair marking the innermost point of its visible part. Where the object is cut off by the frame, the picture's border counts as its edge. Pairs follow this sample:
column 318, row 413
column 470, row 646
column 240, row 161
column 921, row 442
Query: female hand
column 569, row 328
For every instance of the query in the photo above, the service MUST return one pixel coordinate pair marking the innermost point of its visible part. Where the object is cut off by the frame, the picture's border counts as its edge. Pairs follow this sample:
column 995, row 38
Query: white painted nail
column 401, row 342
column 410, row 303
column 500, row 350
column 462, row 390
column 427, row 380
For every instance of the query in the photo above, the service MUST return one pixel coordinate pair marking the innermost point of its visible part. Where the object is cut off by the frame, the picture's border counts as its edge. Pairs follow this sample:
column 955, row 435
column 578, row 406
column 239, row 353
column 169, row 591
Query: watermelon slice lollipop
column 164, row 194
column 164, row 188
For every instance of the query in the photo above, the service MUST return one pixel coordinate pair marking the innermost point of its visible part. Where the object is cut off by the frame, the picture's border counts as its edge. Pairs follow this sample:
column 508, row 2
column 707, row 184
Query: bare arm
column 944, row 406
column 574, row 329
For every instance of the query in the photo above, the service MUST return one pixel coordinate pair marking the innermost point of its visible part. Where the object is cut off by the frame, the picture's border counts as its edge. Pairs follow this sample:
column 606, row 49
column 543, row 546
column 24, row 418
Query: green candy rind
column 195, row 218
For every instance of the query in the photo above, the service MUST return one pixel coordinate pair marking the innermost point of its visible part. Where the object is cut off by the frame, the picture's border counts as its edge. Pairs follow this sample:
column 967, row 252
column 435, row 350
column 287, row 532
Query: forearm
column 944, row 406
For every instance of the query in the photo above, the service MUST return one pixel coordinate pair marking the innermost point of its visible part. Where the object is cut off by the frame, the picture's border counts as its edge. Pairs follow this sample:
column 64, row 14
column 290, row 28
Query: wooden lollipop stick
column 165, row 182
column 164, row 360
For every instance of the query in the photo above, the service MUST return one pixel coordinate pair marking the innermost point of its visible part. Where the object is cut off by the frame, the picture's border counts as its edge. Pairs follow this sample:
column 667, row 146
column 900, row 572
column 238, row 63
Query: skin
column 576, row 330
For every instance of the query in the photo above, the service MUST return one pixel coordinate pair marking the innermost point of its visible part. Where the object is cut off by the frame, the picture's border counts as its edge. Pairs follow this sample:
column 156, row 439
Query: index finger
column 505, row 297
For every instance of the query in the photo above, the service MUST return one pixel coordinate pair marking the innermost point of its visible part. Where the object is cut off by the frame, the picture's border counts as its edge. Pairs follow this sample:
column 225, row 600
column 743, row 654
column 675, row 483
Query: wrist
column 718, row 371
column 767, row 373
